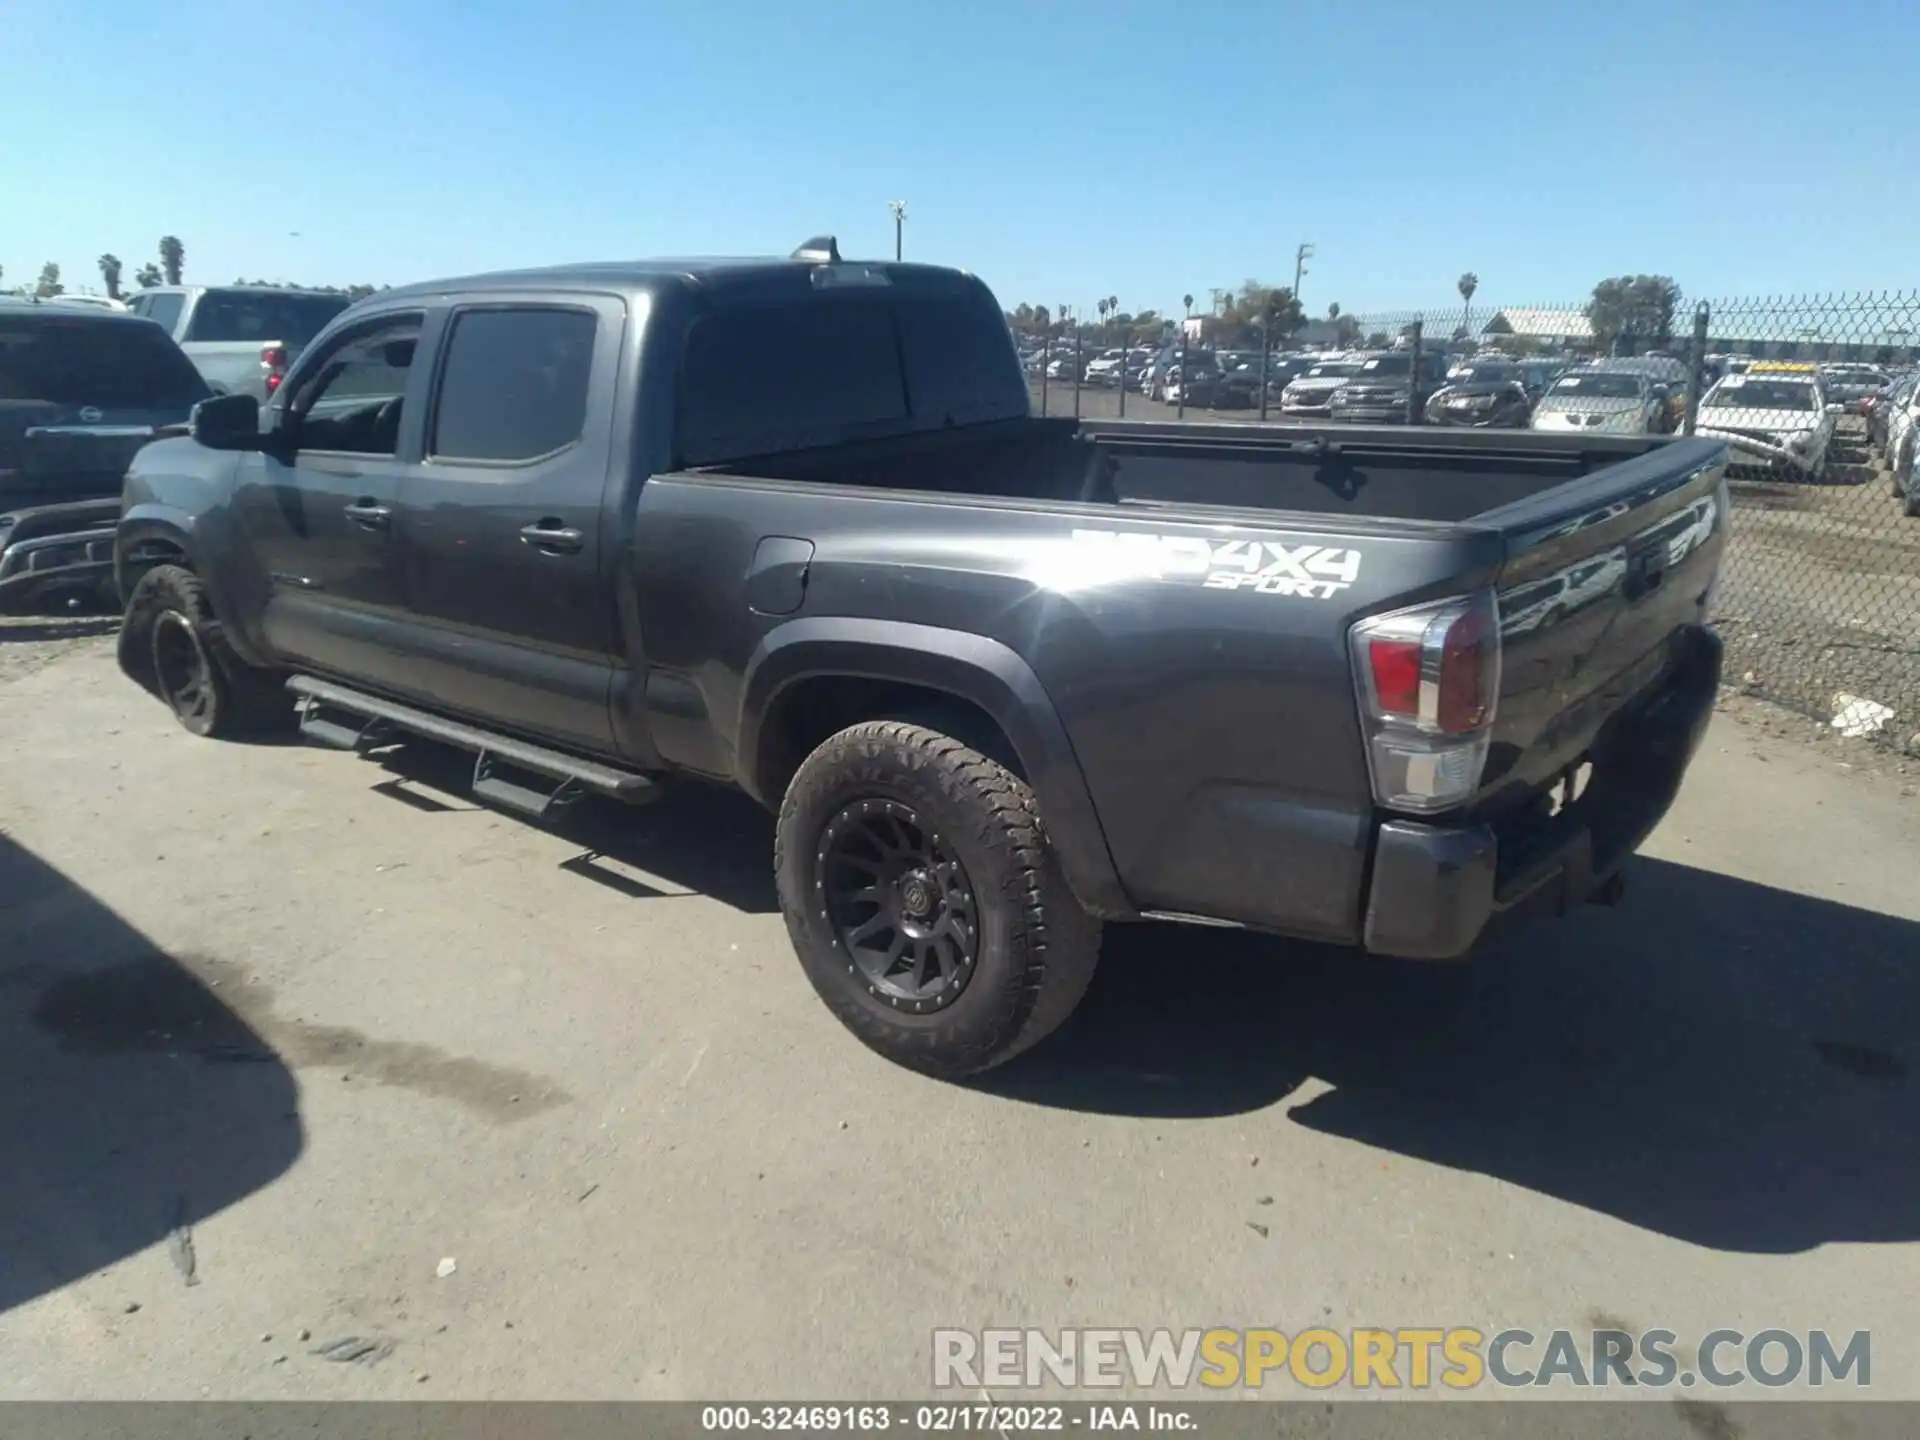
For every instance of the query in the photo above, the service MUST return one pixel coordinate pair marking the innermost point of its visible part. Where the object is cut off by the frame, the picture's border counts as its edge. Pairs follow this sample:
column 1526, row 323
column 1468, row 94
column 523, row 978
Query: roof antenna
column 820, row 250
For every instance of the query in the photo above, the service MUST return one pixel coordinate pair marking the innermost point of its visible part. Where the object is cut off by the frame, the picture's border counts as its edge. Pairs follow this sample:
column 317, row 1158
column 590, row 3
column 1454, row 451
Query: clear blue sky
column 1063, row 150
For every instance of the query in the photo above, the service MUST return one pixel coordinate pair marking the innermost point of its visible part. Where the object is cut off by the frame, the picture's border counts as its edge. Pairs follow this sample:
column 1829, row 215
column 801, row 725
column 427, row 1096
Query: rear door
column 79, row 394
column 508, row 617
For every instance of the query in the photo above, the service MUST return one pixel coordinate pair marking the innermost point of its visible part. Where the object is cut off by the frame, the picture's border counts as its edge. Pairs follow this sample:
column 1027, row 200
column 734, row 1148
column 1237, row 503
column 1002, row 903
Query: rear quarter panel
column 1211, row 712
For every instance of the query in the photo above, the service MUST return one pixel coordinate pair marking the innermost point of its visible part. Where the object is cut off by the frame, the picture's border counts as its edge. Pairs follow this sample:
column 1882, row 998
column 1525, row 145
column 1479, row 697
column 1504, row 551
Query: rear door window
column 513, row 387
column 110, row 365
column 758, row 379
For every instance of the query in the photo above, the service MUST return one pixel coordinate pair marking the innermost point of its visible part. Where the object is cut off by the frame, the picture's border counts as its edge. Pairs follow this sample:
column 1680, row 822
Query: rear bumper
column 1436, row 888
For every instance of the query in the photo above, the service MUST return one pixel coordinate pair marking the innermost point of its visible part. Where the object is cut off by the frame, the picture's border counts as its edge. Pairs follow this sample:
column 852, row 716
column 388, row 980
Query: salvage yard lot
column 297, row 1027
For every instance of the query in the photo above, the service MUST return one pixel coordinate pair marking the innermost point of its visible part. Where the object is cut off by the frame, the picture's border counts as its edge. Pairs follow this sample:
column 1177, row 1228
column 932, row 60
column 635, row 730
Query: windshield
column 1387, row 365
column 1599, row 386
column 125, row 365
column 1333, row 370
column 1753, row 394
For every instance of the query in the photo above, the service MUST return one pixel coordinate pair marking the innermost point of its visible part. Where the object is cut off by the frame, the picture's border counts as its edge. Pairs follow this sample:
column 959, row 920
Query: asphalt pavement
column 316, row 1081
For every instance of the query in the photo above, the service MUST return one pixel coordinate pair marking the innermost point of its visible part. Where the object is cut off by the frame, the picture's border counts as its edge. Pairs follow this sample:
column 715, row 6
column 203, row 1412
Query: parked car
column 974, row 721
column 1898, row 422
column 1310, row 395
column 1614, row 402
column 1777, row 425
column 1485, row 394
column 93, row 302
column 1874, row 411
column 1064, row 366
column 1906, row 487
column 1387, row 388
column 1195, row 375
column 1850, row 385
column 1105, row 369
column 242, row 338
column 81, row 389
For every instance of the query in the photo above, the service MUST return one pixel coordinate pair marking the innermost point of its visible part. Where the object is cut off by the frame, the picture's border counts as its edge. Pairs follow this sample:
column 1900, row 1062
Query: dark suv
column 80, row 391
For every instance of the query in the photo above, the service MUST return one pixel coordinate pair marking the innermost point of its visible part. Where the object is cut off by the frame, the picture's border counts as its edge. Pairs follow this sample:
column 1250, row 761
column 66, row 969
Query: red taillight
column 273, row 360
column 1429, row 679
column 1465, row 699
column 1395, row 665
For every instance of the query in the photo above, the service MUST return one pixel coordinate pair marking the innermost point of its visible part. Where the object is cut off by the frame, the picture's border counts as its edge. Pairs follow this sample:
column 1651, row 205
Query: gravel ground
column 302, row 1057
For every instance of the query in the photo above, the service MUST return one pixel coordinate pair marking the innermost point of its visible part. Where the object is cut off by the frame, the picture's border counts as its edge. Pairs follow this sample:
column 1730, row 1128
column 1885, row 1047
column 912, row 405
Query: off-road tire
column 1037, row 947
column 241, row 700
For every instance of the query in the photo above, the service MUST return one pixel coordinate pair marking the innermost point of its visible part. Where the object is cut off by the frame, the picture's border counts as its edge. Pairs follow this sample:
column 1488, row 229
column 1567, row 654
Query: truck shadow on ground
column 1715, row 1060
column 697, row 838
column 133, row 1102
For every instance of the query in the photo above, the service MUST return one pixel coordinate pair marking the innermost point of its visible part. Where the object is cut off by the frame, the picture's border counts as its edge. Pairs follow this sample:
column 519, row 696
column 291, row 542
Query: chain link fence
column 1819, row 599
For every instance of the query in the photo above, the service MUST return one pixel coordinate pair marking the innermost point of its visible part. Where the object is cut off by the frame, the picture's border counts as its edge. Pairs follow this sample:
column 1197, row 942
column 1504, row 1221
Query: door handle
column 368, row 513
column 552, row 537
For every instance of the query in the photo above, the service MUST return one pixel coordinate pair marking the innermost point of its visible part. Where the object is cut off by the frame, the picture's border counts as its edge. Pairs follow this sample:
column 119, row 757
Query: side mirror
column 227, row 422
column 1834, row 407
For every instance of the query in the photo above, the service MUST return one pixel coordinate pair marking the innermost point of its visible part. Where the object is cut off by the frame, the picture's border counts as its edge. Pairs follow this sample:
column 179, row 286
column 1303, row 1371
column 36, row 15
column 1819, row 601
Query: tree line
column 171, row 266
column 1640, row 307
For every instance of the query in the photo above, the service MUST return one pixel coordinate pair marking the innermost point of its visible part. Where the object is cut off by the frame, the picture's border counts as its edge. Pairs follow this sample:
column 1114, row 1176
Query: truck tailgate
column 1604, row 579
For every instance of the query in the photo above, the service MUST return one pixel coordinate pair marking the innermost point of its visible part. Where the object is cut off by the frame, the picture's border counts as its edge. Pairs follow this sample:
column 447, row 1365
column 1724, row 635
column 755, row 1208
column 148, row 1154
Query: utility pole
column 899, row 212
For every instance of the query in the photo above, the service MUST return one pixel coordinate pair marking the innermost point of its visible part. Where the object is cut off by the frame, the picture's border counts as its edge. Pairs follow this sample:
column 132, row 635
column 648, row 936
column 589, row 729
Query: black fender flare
column 974, row 668
column 156, row 520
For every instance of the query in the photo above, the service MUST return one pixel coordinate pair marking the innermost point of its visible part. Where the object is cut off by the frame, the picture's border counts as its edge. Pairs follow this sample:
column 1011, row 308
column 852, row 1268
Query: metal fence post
column 1413, row 376
column 1078, row 368
column 1046, row 358
column 1183, row 374
column 1125, row 338
column 1696, row 370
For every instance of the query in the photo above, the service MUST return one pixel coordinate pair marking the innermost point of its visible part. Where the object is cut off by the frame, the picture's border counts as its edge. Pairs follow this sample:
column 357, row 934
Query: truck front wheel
column 172, row 645
column 925, row 901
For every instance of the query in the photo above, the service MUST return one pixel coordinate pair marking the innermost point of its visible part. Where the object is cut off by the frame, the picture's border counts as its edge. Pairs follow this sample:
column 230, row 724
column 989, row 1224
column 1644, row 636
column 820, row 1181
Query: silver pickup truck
column 241, row 338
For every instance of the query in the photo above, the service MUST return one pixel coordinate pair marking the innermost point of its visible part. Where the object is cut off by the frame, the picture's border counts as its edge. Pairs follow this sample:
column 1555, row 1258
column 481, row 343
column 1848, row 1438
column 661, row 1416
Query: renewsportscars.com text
column 1418, row 1358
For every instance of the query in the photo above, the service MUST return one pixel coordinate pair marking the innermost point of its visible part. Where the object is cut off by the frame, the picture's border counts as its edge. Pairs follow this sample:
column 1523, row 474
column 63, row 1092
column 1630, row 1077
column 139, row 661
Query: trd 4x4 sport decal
column 1315, row 572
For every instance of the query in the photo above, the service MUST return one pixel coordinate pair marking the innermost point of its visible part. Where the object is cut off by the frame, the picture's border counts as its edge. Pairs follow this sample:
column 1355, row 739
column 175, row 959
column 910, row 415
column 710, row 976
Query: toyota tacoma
column 787, row 525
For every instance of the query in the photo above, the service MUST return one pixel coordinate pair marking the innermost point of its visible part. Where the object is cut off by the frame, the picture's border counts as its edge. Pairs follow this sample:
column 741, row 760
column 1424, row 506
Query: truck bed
column 1435, row 474
column 1601, row 552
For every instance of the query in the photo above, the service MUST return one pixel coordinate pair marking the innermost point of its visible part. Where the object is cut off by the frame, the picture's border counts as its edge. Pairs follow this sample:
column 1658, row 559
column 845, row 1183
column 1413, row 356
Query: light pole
column 1187, row 302
column 1301, row 255
column 898, row 209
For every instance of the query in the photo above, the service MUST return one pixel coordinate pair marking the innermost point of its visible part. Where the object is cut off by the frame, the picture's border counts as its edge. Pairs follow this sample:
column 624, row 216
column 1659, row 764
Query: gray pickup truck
column 242, row 338
column 787, row 525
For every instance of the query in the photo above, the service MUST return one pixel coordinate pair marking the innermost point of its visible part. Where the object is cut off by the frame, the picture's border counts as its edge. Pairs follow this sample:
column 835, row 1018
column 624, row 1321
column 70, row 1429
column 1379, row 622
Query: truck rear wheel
column 172, row 645
column 925, row 901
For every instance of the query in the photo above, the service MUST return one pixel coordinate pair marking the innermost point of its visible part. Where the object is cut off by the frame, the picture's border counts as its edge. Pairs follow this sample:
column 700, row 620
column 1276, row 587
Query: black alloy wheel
column 184, row 672
column 899, row 902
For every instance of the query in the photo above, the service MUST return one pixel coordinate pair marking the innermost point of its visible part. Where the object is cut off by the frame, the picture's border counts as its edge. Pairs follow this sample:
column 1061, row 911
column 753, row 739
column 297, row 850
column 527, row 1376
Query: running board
column 511, row 774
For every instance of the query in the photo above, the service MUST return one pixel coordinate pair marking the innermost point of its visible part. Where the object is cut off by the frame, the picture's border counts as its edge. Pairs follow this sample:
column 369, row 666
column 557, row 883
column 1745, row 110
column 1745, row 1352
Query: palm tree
column 173, row 256
column 1333, row 312
column 110, row 272
column 1469, row 283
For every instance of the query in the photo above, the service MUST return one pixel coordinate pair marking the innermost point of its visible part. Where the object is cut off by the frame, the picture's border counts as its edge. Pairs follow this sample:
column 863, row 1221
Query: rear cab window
column 800, row 372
